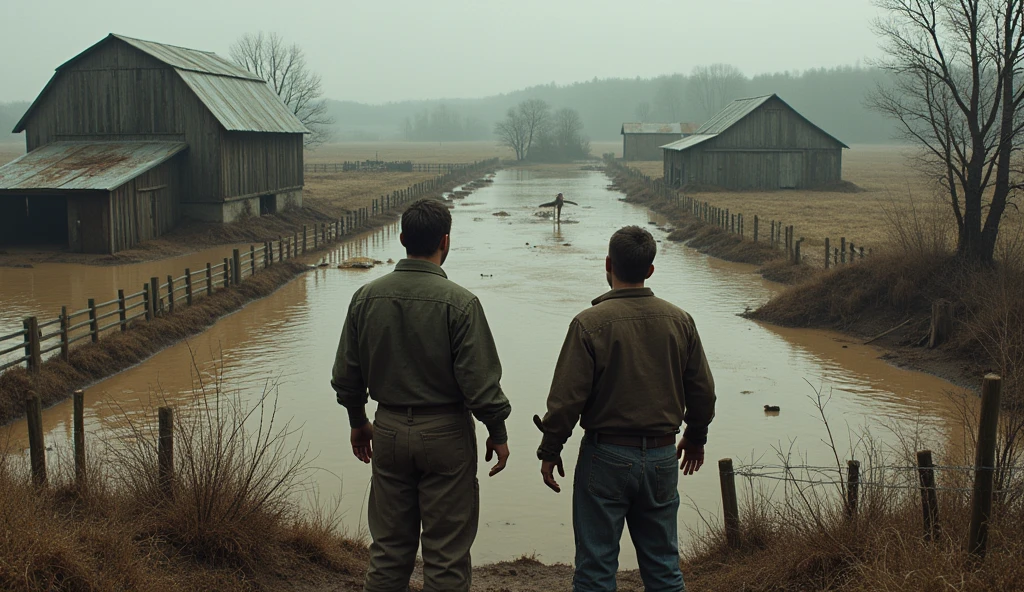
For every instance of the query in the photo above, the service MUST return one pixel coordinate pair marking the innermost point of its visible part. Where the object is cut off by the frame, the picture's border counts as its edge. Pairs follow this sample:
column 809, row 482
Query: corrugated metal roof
column 243, row 105
column 658, row 128
column 689, row 142
column 731, row 115
column 85, row 166
column 192, row 60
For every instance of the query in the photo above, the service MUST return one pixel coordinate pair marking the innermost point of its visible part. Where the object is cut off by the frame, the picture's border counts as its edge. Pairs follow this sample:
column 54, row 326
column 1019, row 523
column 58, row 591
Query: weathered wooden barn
column 757, row 143
column 643, row 141
column 129, row 136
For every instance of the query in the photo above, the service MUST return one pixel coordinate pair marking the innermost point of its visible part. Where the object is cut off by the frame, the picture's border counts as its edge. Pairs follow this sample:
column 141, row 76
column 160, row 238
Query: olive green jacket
column 632, row 364
column 414, row 338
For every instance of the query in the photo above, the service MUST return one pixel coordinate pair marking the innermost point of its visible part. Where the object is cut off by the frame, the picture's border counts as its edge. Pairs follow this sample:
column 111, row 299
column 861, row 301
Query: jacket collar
column 623, row 293
column 420, row 265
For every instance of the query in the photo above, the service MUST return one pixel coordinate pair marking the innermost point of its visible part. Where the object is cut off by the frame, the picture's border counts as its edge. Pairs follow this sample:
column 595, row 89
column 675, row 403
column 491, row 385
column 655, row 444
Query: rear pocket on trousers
column 608, row 478
column 666, row 477
column 445, row 450
column 383, row 446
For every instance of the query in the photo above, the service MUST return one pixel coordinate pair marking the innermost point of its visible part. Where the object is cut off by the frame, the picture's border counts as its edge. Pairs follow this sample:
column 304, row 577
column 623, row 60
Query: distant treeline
column 10, row 114
column 831, row 98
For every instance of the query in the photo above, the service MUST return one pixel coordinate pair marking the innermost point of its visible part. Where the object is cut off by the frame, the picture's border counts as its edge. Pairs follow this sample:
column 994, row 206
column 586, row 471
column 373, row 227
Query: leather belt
column 635, row 441
column 450, row 409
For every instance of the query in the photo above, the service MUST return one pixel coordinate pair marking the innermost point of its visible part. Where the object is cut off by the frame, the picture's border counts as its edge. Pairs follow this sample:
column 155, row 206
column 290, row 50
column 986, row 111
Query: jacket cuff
column 357, row 416
column 497, row 431
column 550, row 449
column 695, row 436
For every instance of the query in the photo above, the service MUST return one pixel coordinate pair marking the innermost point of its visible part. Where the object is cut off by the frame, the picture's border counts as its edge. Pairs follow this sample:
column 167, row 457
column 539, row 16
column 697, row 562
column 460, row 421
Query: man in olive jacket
column 421, row 346
column 632, row 370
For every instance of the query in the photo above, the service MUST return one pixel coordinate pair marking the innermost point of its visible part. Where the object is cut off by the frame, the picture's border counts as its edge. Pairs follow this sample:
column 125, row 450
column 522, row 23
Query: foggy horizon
column 447, row 50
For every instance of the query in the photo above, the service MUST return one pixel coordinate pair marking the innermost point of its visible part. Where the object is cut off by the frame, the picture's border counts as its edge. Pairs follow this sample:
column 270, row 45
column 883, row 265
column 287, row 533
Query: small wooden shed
column 756, row 143
column 643, row 141
column 129, row 136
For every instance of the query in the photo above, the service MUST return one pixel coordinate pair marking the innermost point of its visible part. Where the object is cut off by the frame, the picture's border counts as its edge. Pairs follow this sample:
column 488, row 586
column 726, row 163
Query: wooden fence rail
column 38, row 338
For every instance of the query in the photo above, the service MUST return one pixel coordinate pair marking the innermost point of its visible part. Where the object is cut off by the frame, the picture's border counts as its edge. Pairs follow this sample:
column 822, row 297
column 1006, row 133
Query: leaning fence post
column 65, row 341
column 929, row 500
column 79, row 436
column 94, row 326
column 796, row 250
column 730, row 505
column 170, row 294
column 37, row 447
column 32, row 352
column 122, row 310
column 165, row 451
column 852, row 486
column 984, row 465
column 942, row 323
column 237, row 266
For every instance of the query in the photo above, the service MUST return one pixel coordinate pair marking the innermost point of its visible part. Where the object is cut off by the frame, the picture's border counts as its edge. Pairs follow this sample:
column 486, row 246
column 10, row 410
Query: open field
column 334, row 193
column 886, row 181
column 423, row 152
column 10, row 150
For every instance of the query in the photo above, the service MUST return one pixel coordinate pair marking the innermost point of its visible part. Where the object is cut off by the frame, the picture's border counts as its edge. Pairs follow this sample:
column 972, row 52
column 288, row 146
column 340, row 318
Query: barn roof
column 85, row 166
column 239, row 100
column 732, row 114
column 658, row 128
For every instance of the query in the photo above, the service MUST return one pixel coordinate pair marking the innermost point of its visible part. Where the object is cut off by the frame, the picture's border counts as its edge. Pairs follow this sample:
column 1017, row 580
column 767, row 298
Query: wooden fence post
column 929, row 500
column 170, row 294
column 236, row 268
column 304, row 238
column 796, row 250
column 79, row 436
column 37, row 447
column 147, row 301
column 65, row 342
column 730, row 505
column 122, row 310
column 35, row 359
column 984, row 465
column 209, row 279
column 252, row 259
column 154, row 295
column 226, row 271
column 852, row 487
column 188, row 286
column 165, row 451
column 942, row 323
column 94, row 324
column 842, row 249
column 828, row 253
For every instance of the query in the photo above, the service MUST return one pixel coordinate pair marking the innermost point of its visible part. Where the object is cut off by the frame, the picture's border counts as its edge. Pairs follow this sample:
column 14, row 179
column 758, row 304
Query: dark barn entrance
column 37, row 220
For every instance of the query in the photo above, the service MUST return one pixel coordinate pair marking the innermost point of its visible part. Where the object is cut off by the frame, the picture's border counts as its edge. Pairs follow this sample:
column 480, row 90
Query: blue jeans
column 620, row 484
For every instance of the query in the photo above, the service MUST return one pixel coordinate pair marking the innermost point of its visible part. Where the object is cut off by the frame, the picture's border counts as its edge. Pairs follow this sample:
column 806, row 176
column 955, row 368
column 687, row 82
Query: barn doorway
column 268, row 204
column 38, row 221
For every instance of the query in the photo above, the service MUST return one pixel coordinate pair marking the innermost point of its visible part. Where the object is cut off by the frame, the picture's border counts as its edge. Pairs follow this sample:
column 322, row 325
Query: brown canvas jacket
column 632, row 364
column 415, row 338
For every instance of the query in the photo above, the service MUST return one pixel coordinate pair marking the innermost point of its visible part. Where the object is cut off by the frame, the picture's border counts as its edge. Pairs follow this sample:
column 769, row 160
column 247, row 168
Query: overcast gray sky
column 389, row 50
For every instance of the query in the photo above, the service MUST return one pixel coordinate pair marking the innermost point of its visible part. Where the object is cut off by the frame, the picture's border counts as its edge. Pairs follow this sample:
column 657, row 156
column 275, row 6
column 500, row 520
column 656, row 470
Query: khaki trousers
column 424, row 488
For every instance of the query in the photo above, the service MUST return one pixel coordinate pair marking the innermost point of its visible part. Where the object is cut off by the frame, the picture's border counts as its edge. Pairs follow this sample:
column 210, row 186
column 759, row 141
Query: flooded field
column 532, row 277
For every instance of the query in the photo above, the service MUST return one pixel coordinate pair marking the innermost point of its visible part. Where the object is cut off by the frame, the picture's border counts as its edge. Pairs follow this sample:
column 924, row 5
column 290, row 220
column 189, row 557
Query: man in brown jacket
column 632, row 370
column 419, row 345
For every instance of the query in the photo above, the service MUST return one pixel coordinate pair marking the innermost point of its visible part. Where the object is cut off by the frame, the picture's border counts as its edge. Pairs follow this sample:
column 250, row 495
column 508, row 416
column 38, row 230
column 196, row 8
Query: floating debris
column 502, row 214
column 771, row 408
column 486, row 275
column 359, row 263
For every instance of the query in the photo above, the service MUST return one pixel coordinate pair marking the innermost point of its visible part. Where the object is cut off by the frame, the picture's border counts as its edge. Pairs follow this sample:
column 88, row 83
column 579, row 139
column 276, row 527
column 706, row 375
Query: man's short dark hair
column 632, row 250
column 424, row 224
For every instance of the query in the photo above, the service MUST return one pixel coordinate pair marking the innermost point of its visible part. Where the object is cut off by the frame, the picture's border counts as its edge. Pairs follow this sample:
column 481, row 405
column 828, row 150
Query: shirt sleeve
column 571, row 387
column 478, row 370
column 347, row 376
column 699, row 393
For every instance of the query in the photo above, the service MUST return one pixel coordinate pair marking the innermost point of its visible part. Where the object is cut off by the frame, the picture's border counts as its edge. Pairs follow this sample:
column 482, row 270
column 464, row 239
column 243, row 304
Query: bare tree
column 284, row 68
column 713, row 87
column 512, row 133
column 953, row 65
column 536, row 116
column 643, row 112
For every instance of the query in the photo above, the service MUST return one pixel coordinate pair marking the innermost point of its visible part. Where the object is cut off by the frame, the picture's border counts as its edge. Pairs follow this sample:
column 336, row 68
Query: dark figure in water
column 557, row 204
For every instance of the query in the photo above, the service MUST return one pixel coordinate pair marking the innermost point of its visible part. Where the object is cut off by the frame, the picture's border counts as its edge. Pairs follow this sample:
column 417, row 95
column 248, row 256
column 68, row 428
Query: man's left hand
column 547, row 471
column 362, row 442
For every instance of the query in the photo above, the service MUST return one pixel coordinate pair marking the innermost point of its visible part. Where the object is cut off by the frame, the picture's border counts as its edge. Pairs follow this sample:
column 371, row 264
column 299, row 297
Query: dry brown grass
column 334, row 193
column 422, row 152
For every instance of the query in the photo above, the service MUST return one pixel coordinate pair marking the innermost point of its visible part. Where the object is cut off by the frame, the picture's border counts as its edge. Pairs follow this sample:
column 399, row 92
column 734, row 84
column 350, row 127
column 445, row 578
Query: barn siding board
column 260, row 163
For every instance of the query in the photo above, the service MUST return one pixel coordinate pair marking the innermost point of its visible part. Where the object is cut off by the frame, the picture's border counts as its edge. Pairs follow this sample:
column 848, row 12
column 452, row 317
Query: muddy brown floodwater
column 532, row 277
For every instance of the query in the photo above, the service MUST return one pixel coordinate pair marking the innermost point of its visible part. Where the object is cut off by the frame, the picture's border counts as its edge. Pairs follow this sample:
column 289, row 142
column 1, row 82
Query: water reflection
column 532, row 276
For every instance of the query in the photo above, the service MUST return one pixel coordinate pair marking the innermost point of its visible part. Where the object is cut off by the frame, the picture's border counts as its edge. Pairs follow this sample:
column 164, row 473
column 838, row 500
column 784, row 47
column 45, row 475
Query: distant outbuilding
column 756, row 143
column 131, row 135
column 643, row 141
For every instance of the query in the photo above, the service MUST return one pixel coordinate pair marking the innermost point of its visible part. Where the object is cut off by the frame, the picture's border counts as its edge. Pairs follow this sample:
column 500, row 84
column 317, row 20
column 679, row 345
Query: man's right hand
column 362, row 442
column 691, row 455
column 497, row 449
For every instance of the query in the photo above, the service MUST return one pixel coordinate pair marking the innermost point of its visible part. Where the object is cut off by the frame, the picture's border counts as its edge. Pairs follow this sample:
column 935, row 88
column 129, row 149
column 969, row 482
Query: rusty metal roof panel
column 689, row 142
column 658, row 128
column 192, row 60
column 732, row 114
column 243, row 105
column 85, row 166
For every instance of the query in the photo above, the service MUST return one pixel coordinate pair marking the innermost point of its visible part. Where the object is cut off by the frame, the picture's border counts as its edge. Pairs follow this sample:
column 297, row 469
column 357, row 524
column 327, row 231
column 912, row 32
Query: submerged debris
column 501, row 214
column 359, row 263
